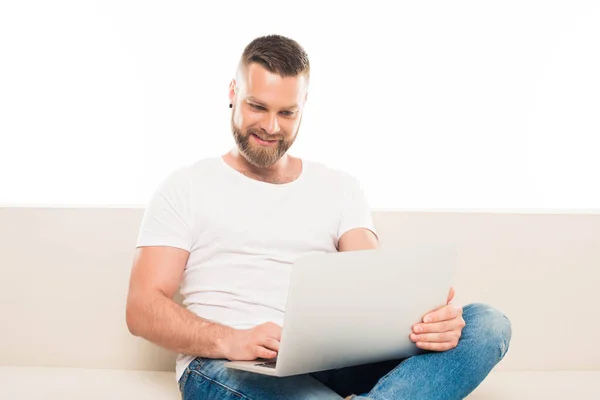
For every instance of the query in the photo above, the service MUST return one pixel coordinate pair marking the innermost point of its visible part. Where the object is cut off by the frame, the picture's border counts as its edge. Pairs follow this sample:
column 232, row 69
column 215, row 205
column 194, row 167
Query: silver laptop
column 350, row 308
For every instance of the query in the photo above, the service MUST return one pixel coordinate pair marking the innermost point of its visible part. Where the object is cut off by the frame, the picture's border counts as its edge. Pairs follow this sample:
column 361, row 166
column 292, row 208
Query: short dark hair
column 277, row 54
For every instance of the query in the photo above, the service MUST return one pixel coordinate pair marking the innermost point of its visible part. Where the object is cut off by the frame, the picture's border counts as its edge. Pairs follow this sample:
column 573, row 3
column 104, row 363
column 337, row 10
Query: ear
column 232, row 86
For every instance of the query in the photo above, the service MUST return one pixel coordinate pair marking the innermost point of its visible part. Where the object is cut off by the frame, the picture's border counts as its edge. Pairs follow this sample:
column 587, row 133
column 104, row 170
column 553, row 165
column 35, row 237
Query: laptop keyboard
column 270, row 364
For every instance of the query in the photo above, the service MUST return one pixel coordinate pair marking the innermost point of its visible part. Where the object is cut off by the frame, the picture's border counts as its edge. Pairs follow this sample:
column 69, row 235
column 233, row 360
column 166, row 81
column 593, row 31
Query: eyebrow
column 260, row 103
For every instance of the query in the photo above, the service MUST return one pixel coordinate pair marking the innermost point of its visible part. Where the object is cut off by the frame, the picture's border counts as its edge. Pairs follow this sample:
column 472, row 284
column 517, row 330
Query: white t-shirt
column 243, row 235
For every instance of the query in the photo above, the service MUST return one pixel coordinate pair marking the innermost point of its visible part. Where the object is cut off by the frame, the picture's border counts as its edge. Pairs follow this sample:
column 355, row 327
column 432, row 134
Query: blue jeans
column 451, row 374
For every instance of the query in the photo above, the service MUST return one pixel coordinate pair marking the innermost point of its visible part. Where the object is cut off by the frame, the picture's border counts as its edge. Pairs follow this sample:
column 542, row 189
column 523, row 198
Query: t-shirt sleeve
column 355, row 209
column 167, row 219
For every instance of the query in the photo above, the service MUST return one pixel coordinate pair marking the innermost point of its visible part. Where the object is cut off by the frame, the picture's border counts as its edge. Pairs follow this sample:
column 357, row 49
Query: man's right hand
column 262, row 341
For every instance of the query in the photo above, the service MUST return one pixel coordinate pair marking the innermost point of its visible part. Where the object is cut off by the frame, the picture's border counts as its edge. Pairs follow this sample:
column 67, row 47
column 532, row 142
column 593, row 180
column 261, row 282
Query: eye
column 287, row 113
column 256, row 107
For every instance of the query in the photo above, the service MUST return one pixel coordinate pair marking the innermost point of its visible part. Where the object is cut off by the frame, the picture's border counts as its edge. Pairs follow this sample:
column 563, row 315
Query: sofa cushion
column 20, row 383
column 547, row 385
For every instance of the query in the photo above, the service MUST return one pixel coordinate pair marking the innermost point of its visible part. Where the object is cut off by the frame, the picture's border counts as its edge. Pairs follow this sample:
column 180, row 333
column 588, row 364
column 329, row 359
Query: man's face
column 267, row 111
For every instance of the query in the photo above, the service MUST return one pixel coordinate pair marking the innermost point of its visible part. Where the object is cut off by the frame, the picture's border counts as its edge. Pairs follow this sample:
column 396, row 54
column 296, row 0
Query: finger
column 433, row 310
column 450, row 295
column 273, row 330
column 435, row 337
column 270, row 344
column 437, row 327
column 261, row 352
column 432, row 346
column 443, row 314
column 448, row 300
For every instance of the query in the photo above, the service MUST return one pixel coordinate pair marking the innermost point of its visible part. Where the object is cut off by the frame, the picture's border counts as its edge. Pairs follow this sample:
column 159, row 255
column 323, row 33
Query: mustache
column 264, row 136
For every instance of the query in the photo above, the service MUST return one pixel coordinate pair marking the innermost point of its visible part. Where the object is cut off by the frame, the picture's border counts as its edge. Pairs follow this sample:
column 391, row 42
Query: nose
column 270, row 123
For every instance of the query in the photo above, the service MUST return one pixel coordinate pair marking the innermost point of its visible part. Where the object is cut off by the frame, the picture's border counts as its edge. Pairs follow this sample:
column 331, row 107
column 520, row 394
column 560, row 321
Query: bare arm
column 153, row 315
column 358, row 239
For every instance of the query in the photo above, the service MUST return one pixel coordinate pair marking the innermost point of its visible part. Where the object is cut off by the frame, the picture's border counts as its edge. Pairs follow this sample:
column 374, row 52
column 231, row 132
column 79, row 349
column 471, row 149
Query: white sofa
column 64, row 275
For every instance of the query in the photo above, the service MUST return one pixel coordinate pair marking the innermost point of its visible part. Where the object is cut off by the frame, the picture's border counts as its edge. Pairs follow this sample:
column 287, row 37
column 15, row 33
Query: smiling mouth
column 264, row 140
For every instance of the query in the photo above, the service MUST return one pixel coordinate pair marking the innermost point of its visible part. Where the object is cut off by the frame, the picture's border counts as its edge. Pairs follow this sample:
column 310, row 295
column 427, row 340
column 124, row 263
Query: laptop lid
column 352, row 308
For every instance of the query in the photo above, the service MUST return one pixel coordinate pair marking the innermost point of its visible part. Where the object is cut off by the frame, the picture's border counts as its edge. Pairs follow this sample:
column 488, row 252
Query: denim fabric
column 451, row 374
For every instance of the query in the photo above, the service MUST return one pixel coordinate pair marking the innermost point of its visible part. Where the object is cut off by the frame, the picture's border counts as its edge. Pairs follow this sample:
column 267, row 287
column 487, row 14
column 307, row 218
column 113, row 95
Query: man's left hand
column 440, row 329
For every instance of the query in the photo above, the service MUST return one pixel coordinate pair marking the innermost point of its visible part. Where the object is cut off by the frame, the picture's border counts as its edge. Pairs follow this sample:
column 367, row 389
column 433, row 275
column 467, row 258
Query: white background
column 432, row 105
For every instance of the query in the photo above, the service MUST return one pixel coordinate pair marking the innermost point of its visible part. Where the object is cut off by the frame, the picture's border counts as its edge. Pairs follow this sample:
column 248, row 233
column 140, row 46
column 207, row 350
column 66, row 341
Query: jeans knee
column 490, row 327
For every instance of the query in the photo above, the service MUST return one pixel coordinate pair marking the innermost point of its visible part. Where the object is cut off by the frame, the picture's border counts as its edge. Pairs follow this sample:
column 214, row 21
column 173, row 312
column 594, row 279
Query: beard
column 254, row 153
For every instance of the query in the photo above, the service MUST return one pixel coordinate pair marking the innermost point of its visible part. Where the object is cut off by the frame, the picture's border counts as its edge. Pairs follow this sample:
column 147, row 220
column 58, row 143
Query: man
column 228, row 230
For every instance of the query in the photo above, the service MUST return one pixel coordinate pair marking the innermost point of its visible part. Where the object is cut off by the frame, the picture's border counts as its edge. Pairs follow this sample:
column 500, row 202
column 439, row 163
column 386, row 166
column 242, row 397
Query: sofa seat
column 49, row 383
column 25, row 383
column 546, row 385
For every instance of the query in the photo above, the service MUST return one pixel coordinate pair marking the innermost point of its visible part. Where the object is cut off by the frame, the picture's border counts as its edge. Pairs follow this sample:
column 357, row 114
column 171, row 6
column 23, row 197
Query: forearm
column 160, row 320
